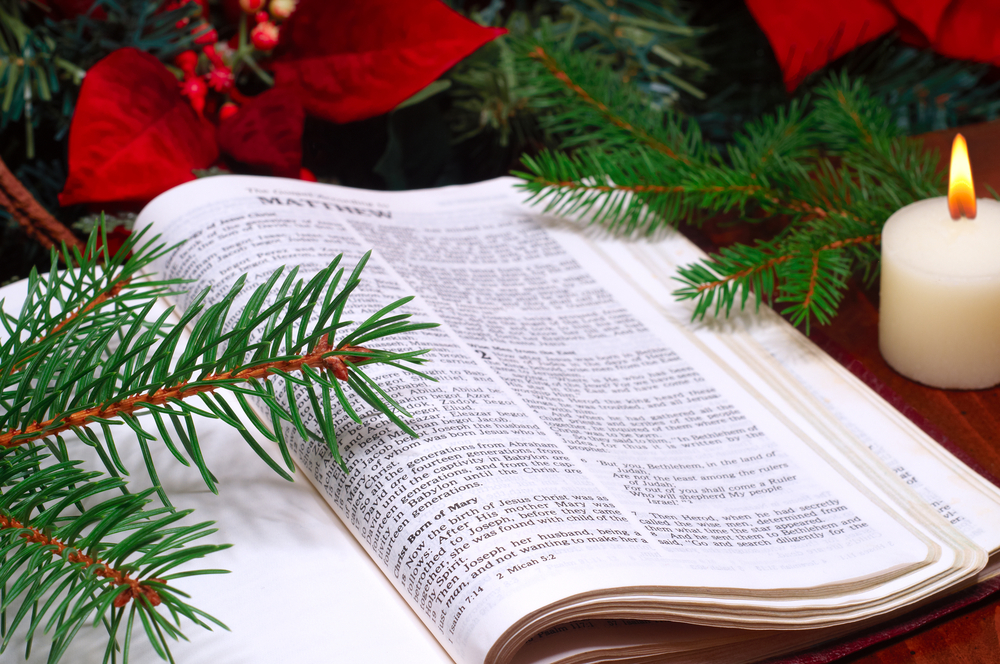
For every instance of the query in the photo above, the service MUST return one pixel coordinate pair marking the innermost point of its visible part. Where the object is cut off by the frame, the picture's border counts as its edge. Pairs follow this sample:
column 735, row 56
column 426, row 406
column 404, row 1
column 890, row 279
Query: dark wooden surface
column 970, row 420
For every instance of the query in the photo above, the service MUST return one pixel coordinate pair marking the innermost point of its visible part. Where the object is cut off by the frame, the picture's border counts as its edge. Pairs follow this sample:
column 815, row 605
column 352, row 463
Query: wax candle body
column 939, row 317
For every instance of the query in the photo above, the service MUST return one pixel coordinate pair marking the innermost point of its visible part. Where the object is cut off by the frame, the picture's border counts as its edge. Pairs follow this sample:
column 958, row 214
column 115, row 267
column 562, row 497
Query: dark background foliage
column 476, row 124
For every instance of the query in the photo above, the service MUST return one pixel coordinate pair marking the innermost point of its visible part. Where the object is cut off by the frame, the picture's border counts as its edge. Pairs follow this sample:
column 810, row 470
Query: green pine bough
column 85, row 357
column 834, row 165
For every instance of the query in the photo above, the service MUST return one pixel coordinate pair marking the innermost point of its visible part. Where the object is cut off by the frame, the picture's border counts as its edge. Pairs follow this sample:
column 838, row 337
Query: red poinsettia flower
column 136, row 132
column 347, row 60
column 808, row 34
column 134, row 135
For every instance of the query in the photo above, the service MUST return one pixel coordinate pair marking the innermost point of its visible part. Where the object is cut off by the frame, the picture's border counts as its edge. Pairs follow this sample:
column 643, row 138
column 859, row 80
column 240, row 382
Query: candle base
column 936, row 380
column 938, row 335
column 948, row 341
column 939, row 317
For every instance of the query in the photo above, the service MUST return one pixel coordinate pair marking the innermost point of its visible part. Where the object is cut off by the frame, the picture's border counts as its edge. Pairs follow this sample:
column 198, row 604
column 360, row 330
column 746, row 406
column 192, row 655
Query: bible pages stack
column 596, row 477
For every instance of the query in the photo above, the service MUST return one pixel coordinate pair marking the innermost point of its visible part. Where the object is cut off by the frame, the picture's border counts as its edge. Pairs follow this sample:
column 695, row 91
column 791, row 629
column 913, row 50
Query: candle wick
column 959, row 209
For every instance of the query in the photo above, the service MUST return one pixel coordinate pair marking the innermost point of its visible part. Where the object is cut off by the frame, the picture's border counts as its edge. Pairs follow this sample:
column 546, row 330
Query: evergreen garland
column 652, row 45
column 835, row 165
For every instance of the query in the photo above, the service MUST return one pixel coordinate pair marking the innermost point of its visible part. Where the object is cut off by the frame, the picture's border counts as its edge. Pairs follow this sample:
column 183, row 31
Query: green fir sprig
column 90, row 354
column 833, row 165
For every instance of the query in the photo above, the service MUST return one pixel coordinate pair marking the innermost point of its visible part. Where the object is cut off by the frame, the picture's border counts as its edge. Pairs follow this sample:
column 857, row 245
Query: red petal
column 133, row 134
column 266, row 133
column 807, row 35
column 968, row 31
column 347, row 60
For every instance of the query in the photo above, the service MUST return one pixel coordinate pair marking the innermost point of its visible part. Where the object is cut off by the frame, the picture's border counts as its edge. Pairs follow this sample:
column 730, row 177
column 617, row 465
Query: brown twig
column 316, row 359
column 131, row 588
column 639, row 188
column 35, row 219
column 100, row 299
column 778, row 260
column 874, row 238
column 813, row 275
column 115, row 289
column 842, row 100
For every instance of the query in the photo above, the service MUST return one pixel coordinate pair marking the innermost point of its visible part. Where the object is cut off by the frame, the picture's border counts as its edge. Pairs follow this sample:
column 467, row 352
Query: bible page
column 820, row 385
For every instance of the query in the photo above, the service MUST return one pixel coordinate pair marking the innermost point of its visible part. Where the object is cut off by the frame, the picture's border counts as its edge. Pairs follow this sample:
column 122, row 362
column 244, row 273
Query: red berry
column 212, row 55
column 228, row 110
column 282, row 9
column 264, row 36
column 307, row 175
column 186, row 61
column 260, row 17
column 251, row 6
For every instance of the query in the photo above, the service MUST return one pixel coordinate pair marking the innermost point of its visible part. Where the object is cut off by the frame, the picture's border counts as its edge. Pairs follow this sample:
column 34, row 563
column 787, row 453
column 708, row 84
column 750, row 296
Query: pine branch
column 650, row 43
column 54, row 392
column 859, row 128
column 767, row 151
column 538, row 53
column 744, row 271
column 335, row 361
column 587, row 104
column 615, row 190
column 834, row 168
column 87, row 355
column 147, row 26
column 63, row 565
column 54, row 305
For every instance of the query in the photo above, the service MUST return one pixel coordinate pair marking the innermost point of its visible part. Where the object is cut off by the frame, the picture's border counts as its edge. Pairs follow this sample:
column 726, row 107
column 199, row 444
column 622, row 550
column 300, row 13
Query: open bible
column 596, row 477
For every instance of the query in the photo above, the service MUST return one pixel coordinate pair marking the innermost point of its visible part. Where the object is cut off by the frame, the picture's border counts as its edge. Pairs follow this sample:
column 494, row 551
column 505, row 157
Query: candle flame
column 961, row 193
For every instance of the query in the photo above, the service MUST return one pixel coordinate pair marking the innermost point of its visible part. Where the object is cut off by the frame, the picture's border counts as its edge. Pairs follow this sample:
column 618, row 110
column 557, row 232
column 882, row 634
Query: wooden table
column 967, row 422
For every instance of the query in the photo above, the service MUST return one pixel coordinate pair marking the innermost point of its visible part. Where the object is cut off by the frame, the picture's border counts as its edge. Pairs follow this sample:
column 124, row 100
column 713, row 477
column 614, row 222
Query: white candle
column 939, row 318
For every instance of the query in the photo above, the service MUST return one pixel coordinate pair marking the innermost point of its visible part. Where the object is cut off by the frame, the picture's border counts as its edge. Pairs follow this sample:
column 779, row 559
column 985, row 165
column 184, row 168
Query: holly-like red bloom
column 220, row 79
column 195, row 90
